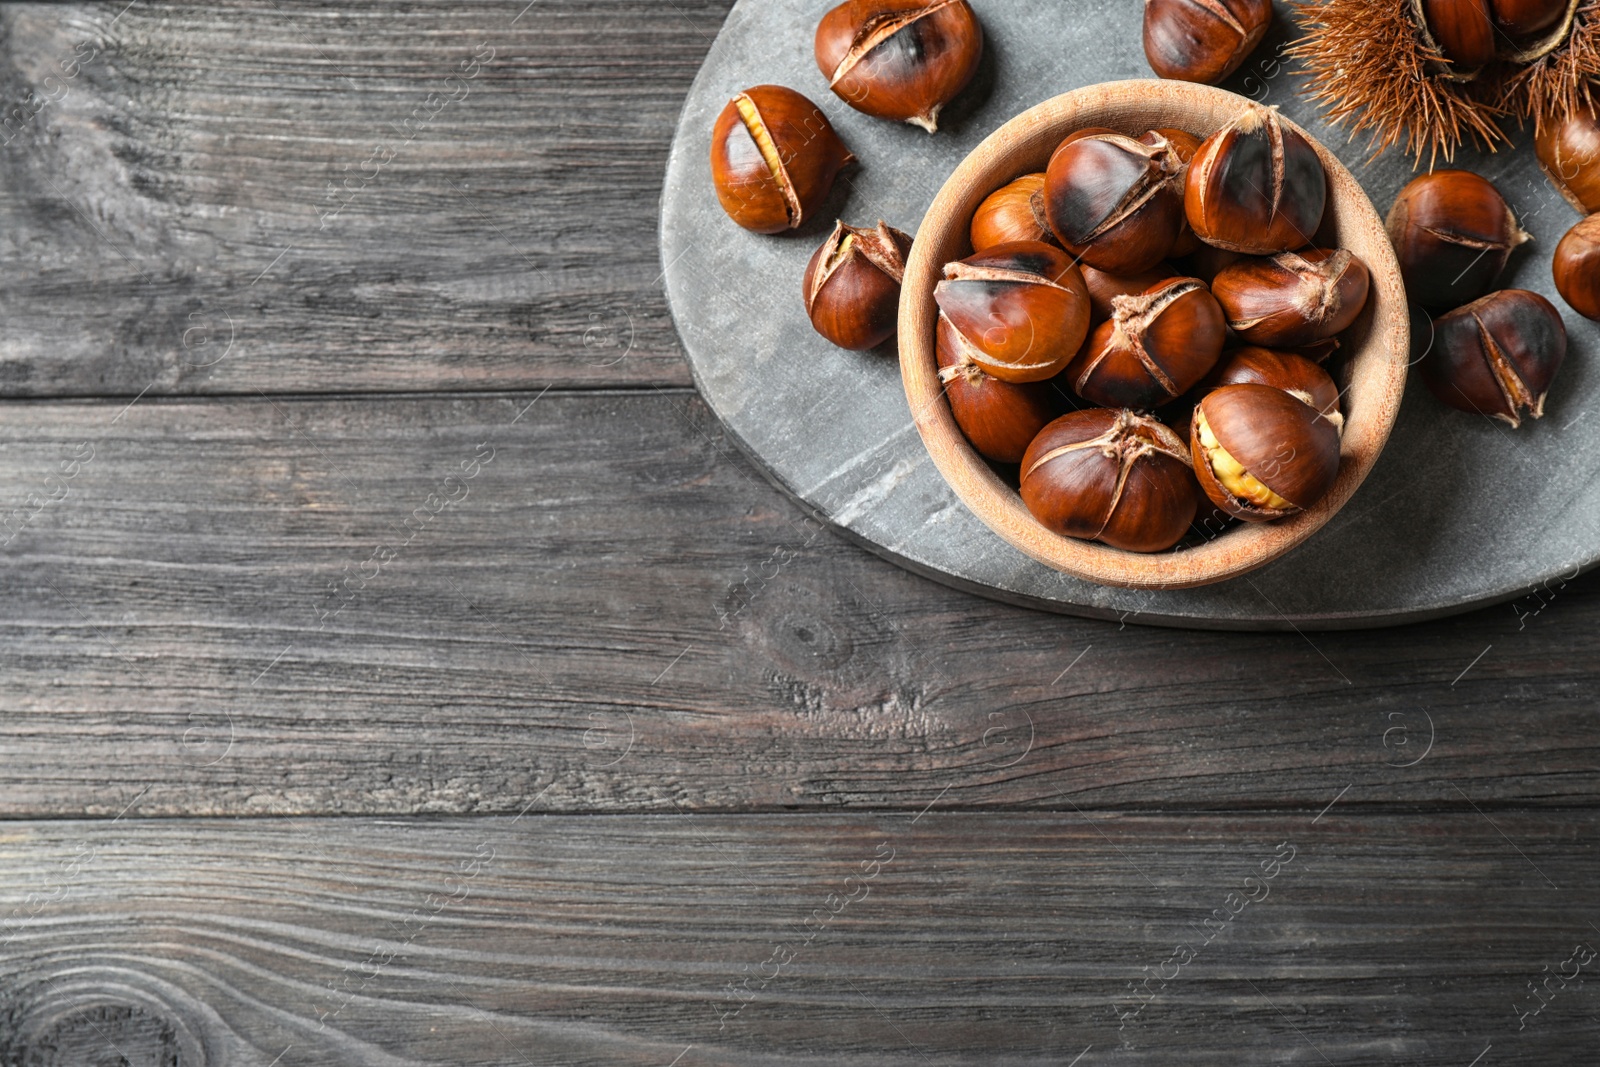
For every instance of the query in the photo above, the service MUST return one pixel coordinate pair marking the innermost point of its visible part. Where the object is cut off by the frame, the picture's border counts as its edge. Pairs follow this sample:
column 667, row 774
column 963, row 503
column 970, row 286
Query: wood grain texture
column 165, row 177
column 871, row 939
column 464, row 604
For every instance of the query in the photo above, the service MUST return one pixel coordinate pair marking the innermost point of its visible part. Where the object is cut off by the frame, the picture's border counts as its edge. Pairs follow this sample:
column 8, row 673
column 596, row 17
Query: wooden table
column 400, row 667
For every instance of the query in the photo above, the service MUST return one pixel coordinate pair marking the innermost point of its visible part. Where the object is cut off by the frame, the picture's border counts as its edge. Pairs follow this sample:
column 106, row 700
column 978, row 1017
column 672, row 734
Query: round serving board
column 1459, row 512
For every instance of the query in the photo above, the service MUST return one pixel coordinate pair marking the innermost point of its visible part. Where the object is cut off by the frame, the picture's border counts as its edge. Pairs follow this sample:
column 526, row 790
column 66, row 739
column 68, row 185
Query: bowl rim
column 1377, row 366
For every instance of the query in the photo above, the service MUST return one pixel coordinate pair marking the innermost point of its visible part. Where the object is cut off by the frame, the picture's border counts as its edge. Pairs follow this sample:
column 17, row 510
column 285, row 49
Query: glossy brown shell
column 1256, row 186
column 1576, row 267
column 1022, row 307
column 810, row 153
column 901, row 60
column 1202, row 40
column 1110, row 476
column 1497, row 356
column 1280, row 441
column 1292, row 299
column 1452, row 233
column 1000, row 419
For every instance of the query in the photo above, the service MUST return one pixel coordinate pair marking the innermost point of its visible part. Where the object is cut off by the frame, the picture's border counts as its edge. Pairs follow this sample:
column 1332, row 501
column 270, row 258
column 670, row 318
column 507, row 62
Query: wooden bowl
column 1373, row 357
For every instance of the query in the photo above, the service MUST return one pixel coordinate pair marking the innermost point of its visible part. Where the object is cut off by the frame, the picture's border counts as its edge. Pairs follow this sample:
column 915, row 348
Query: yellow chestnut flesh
column 1231, row 473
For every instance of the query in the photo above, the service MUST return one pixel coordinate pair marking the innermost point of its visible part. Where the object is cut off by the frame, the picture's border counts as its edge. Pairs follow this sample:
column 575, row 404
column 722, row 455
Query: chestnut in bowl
column 999, row 418
column 1372, row 360
column 1256, row 186
column 1013, row 213
column 1261, row 453
column 1022, row 308
column 1293, row 299
column 1118, row 477
column 1116, row 202
column 1155, row 346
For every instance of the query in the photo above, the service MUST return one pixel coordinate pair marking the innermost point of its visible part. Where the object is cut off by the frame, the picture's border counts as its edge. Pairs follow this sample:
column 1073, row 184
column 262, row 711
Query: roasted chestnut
column 1497, row 356
column 1202, row 40
column 1256, row 186
column 1576, row 268
column 1569, row 155
column 1022, row 308
column 774, row 157
column 1112, row 476
column 1014, row 212
column 899, row 59
column 1152, row 349
column 1115, row 201
column 1103, row 287
column 852, row 284
column 1294, row 374
column 1452, row 232
column 1261, row 454
column 999, row 418
column 1293, row 298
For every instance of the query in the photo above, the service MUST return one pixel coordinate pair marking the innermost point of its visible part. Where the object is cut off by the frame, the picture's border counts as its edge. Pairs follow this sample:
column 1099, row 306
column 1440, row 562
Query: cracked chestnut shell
column 1261, row 454
column 1569, row 155
column 901, row 60
column 1155, row 346
column 1576, row 268
column 999, row 419
column 1293, row 299
column 1288, row 371
column 1452, row 232
column 1014, row 212
column 774, row 156
column 852, row 284
column 1497, row 356
column 1112, row 476
column 1256, row 186
column 1103, row 287
column 1116, row 201
column 1202, row 40
column 1022, row 308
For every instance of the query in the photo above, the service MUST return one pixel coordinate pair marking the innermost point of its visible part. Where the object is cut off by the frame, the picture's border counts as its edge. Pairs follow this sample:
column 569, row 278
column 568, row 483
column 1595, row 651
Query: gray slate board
column 1459, row 512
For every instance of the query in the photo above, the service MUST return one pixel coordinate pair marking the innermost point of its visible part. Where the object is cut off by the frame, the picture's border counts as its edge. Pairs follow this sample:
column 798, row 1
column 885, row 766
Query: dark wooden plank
column 469, row 604
column 953, row 939
column 164, row 194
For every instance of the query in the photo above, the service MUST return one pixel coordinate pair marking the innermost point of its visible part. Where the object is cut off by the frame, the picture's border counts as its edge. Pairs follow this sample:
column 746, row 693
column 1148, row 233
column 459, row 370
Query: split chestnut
column 902, row 60
column 1022, row 308
column 1293, row 299
column 1262, row 454
column 1114, row 201
column 774, row 156
column 1497, row 356
column 852, row 285
column 1155, row 346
